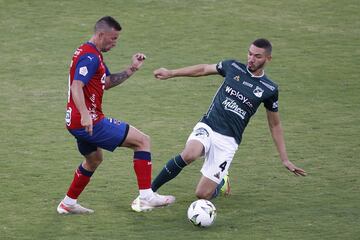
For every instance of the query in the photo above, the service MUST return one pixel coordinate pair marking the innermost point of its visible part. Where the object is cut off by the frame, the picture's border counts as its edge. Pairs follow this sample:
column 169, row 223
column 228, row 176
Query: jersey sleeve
column 107, row 70
column 271, row 103
column 86, row 67
column 223, row 66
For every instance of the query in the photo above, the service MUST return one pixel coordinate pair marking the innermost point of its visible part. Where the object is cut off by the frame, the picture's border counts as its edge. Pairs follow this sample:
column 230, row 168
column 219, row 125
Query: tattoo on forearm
column 118, row 78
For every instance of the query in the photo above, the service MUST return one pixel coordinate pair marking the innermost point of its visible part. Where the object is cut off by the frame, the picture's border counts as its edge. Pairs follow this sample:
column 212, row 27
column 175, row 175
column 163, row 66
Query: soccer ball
column 201, row 213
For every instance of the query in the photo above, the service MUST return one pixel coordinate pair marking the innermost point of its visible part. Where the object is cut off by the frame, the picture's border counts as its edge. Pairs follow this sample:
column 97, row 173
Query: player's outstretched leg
column 171, row 169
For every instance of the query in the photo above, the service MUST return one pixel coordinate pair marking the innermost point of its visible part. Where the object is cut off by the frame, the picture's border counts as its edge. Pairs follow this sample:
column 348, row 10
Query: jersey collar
column 252, row 75
column 93, row 45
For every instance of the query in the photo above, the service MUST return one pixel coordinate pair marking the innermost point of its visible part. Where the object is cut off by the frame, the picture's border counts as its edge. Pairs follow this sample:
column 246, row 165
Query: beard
column 105, row 49
column 255, row 68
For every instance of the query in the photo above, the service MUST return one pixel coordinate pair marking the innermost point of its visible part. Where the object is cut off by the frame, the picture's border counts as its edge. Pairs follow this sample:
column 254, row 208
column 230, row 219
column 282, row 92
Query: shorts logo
column 83, row 71
column 202, row 132
column 217, row 175
column 275, row 105
column 258, row 92
column 114, row 121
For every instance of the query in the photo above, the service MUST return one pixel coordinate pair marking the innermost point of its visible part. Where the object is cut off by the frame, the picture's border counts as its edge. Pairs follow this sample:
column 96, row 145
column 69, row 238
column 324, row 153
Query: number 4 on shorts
column 223, row 165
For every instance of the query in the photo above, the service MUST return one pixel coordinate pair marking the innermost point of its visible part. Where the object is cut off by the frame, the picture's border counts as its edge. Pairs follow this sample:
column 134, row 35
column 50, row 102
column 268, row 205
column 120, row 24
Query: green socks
column 171, row 169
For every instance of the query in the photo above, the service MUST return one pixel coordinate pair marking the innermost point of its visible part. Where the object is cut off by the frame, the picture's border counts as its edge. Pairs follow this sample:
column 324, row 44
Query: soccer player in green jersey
column 219, row 132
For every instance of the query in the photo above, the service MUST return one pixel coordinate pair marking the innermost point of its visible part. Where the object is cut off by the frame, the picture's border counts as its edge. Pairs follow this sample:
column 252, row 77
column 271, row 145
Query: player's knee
column 144, row 142
column 203, row 194
column 192, row 151
column 188, row 156
column 93, row 160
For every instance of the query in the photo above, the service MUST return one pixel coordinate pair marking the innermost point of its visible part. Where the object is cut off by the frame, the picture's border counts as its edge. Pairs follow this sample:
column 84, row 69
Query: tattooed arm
column 117, row 78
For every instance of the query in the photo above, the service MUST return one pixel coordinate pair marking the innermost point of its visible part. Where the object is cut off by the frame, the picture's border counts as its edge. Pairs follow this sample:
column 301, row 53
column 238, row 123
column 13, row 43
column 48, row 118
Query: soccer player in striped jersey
column 89, row 77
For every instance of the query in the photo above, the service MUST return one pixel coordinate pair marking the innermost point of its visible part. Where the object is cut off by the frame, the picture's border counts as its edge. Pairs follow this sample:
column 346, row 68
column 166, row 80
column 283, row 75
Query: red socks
column 81, row 179
column 142, row 167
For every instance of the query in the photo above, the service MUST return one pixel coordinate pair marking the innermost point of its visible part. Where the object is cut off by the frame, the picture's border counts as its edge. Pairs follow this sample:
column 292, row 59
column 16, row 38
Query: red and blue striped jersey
column 87, row 65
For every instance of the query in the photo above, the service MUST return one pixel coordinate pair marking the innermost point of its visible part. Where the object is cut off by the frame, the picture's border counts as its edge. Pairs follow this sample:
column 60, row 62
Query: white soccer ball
column 202, row 213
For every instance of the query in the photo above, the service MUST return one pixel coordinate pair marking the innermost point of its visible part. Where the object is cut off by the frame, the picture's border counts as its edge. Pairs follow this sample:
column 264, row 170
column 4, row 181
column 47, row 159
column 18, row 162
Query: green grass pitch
column 316, row 60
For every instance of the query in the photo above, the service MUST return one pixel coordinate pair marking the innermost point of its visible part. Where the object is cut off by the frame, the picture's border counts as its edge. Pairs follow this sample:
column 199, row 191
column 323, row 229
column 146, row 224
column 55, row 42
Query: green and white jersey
column 238, row 98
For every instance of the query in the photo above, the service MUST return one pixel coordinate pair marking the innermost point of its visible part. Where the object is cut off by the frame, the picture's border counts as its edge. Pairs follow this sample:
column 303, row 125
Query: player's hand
column 86, row 122
column 294, row 169
column 162, row 73
column 137, row 60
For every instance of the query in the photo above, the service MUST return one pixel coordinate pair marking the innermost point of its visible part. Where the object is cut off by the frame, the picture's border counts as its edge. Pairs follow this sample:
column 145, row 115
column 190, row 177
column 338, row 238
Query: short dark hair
column 263, row 43
column 107, row 22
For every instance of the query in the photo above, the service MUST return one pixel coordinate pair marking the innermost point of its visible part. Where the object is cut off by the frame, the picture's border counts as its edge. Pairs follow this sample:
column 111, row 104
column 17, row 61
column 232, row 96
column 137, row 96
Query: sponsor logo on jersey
column 238, row 95
column 231, row 105
column 258, row 92
column 92, row 98
column 83, row 71
column 68, row 116
column 237, row 78
column 92, row 108
column 103, row 80
column 247, row 84
column 238, row 67
column 78, row 51
column 272, row 88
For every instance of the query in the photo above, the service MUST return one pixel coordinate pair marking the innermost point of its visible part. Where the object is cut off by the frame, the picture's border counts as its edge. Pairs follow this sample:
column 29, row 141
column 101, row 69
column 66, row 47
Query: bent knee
column 144, row 142
column 203, row 194
column 188, row 157
column 192, row 151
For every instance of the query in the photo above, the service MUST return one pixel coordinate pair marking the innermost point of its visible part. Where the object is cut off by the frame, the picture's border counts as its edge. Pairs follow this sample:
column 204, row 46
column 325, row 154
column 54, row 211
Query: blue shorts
column 108, row 134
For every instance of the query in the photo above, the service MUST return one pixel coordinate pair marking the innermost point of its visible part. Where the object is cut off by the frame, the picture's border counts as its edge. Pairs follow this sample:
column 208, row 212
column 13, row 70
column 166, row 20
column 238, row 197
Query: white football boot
column 156, row 201
column 72, row 209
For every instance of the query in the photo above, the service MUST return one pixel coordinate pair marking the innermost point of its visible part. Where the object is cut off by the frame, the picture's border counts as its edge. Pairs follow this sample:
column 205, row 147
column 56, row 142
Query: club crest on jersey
column 258, row 92
column 237, row 78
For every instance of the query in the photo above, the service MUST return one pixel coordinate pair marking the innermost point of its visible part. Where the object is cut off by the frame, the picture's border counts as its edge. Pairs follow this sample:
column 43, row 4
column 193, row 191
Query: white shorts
column 219, row 151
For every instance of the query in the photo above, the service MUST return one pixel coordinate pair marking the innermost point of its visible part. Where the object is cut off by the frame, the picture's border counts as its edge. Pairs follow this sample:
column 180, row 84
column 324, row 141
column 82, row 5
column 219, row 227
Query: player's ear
column 268, row 58
column 100, row 34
